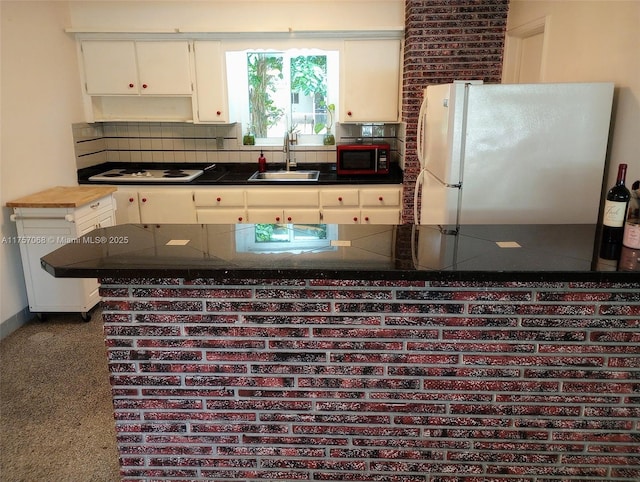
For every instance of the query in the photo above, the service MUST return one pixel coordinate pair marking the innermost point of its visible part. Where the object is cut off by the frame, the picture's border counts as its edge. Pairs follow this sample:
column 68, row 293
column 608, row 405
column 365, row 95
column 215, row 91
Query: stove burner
column 132, row 174
column 175, row 173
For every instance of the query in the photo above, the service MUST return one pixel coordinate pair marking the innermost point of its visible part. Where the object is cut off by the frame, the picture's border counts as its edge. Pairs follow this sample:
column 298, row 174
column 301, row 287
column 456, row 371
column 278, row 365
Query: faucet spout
column 286, row 148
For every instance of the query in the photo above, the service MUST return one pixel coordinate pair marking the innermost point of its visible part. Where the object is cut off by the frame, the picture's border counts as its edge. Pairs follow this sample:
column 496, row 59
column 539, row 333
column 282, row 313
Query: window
column 274, row 92
column 285, row 238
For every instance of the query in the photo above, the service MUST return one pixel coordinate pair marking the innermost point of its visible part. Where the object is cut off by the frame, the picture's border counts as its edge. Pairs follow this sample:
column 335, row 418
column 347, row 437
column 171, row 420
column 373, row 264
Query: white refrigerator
column 512, row 153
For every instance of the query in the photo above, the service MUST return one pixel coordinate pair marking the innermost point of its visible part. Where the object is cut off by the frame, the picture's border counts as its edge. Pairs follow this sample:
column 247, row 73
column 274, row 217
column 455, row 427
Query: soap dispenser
column 262, row 163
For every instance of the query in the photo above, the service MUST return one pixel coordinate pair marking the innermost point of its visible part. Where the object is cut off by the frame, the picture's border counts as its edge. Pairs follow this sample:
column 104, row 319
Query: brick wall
column 374, row 380
column 446, row 40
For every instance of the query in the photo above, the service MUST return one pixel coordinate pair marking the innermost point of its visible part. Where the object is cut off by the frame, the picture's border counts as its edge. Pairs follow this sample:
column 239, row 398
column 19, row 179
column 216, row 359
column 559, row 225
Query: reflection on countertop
column 475, row 252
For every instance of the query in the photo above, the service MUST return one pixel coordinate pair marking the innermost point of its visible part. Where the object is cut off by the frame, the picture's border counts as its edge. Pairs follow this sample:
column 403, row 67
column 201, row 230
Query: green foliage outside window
column 264, row 71
column 308, row 77
column 279, row 233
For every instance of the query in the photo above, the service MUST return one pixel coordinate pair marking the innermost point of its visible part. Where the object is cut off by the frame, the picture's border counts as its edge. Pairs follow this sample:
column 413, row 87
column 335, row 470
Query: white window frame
column 246, row 241
column 237, row 82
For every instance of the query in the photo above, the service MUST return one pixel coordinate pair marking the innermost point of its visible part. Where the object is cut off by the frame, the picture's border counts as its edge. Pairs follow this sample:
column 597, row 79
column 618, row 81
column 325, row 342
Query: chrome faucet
column 289, row 163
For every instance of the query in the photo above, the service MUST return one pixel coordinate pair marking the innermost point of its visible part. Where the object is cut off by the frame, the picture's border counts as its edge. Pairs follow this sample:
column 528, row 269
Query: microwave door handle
column 375, row 162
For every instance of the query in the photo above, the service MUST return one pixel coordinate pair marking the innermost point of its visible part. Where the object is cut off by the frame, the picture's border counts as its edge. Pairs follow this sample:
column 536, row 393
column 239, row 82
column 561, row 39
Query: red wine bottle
column 615, row 211
column 631, row 238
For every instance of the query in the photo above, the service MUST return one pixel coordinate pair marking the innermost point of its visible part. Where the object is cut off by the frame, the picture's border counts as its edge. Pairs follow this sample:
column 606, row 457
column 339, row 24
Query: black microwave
column 362, row 159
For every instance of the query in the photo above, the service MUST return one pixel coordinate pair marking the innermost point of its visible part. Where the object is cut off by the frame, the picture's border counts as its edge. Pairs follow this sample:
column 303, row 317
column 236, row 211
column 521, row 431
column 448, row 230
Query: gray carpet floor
column 56, row 414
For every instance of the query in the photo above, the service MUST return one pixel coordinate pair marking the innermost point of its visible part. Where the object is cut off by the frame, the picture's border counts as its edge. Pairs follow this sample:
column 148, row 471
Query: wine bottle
column 615, row 210
column 631, row 237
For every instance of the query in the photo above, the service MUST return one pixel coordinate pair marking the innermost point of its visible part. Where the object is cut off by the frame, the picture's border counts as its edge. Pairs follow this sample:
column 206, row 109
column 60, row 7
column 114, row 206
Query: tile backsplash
column 183, row 142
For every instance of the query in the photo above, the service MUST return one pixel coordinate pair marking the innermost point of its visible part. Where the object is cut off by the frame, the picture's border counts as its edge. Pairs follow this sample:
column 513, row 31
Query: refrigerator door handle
column 416, row 193
column 420, row 132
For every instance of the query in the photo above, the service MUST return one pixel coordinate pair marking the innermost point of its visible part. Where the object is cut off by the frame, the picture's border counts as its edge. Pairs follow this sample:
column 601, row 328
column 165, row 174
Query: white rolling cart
column 47, row 220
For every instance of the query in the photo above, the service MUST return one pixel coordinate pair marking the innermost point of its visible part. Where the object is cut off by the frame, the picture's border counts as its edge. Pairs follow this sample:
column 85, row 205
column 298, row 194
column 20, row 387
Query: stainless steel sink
column 285, row 176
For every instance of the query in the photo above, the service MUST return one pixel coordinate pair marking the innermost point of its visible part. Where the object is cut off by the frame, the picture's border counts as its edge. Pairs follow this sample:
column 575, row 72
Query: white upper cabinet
column 127, row 67
column 164, row 68
column 370, row 81
column 211, row 84
column 110, row 67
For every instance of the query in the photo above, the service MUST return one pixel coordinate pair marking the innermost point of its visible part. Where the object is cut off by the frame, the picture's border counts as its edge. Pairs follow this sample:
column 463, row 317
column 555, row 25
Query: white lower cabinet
column 283, row 205
column 167, row 206
column 45, row 229
column 289, row 216
column 380, row 216
column 380, row 196
column 341, row 215
column 220, row 205
column 349, row 204
column 282, row 197
column 380, row 205
column 127, row 206
column 340, row 197
column 222, row 216
column 361, row 205
column 155, row 205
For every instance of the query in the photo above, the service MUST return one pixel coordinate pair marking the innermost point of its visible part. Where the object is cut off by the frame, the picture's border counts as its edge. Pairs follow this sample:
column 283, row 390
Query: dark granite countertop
column 234, row 174
column 402, row 252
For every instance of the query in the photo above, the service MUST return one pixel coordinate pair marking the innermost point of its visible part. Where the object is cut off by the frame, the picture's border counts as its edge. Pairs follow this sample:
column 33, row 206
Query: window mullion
column 286, row 72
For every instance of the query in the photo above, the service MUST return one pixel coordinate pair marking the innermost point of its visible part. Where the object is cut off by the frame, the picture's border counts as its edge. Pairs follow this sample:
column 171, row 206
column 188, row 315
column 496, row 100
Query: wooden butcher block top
column 62, row 197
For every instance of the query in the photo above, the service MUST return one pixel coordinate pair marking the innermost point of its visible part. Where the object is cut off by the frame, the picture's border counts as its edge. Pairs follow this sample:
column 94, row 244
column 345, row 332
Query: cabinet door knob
column 380, row 199
column 144, row 199
column 289, row 218
column 218, row 199
column 349, row 113
column 340, row 198
column 366, row 218
column 218, row 113
column 131, row 86
column 355, row 219
column 130, row 199
column 240, row 218
column 277, row 218
column 144, row 86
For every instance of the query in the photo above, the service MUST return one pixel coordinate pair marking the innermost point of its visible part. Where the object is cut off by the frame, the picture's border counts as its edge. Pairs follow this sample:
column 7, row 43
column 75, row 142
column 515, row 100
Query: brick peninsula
column 367, row 353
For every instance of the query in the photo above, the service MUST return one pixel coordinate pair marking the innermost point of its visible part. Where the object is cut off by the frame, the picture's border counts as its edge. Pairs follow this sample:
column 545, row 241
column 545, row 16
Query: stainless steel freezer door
column 439, row 203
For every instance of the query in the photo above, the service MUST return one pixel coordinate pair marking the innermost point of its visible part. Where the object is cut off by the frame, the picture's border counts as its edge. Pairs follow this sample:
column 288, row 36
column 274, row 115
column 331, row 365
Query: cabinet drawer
column 219, row 197
column 380, row 197
column 97, row 207
column 341, row 216
column 288, row 216
column 221, row 216
column 102, row 220
column 282, row 197
column 302, row 216
column 268, row 216
column 380, row 216
column 339, row 197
